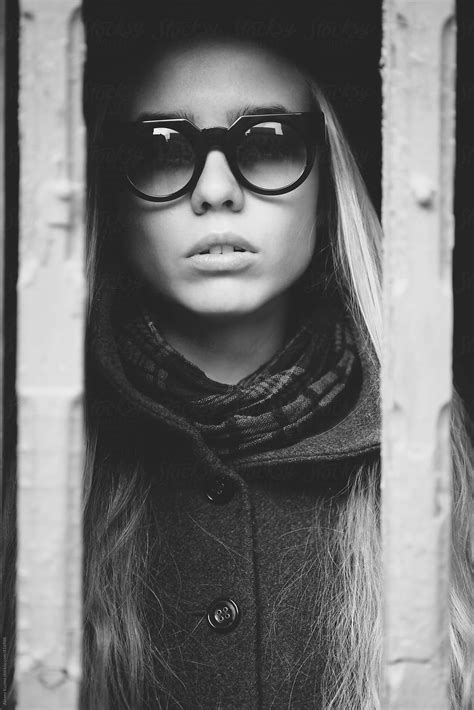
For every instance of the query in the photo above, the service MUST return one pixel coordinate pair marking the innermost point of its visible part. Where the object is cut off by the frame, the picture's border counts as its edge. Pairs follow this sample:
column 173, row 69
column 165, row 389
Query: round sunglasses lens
column 271, row 155
column 162, row 163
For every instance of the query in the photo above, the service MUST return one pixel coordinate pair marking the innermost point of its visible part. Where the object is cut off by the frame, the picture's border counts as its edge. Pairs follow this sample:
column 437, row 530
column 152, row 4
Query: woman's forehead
column 213, row 79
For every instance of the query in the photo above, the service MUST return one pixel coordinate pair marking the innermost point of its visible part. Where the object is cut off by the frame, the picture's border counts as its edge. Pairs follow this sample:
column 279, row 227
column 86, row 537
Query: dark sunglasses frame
column 310, row 124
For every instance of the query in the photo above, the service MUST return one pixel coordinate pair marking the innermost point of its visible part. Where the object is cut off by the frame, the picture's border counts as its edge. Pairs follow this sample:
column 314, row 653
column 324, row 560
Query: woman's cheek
column 294, row 256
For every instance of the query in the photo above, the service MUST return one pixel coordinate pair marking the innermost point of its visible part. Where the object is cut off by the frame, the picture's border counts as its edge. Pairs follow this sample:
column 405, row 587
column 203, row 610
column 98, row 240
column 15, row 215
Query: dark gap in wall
column 11, row 176
column 463, row 256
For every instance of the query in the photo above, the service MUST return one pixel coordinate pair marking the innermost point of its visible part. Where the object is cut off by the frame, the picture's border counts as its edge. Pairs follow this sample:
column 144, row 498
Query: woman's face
column 215, row 82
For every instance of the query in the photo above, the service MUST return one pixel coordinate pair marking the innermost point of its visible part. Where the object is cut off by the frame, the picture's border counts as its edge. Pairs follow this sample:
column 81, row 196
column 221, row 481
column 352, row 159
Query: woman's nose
column 217, row 186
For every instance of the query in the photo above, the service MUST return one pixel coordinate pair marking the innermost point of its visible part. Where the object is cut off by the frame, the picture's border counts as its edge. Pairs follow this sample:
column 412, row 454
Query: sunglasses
column 270, row 154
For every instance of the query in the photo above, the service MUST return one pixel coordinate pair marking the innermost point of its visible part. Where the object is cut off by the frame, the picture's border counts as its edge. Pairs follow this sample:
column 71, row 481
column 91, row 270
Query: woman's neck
column 226, row 349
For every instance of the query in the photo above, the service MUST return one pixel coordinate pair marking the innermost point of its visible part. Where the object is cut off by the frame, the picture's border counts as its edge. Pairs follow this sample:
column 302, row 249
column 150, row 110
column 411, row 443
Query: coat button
column 220, row 490
column 223, row 615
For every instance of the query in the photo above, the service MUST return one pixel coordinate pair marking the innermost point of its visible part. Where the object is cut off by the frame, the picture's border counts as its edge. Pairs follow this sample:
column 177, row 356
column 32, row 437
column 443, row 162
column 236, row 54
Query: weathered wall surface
column 417, row 214
column 50, row 352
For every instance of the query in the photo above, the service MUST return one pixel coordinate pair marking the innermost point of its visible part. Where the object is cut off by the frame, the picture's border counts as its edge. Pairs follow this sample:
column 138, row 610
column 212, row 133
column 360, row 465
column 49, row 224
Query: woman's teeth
column 221, row 249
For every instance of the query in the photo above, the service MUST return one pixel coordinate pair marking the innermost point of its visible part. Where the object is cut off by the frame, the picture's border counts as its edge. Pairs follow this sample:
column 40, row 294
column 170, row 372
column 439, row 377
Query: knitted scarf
column 309, row 384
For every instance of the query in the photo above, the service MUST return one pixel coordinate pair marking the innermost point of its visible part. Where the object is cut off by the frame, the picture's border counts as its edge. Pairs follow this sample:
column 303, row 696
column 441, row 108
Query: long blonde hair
column 120, row 658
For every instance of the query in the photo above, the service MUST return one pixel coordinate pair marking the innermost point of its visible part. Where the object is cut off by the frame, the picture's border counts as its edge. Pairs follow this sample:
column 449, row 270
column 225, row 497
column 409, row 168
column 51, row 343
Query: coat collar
column 356, row 434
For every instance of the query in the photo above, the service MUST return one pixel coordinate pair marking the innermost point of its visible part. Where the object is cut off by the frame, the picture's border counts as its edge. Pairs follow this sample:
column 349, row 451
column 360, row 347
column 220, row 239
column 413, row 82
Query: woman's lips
column 220, row 240
column 228, row 261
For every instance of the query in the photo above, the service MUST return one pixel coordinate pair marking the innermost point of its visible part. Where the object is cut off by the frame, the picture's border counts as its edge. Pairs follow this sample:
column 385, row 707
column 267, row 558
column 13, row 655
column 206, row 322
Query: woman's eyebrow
column 231, row 115
column 254, row 109
column 156, row 115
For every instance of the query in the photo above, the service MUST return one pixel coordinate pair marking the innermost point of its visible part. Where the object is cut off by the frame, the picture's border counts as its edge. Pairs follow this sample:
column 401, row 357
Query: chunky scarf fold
column 308, row 385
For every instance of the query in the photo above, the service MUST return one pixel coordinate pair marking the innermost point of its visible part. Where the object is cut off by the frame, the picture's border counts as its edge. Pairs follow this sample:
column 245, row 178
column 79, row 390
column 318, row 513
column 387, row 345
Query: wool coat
column 236, row 579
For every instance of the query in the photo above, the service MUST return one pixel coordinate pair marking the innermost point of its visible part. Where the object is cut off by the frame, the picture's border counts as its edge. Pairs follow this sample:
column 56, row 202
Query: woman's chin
column 220, row 303
column 225, row 304
column 218, row 312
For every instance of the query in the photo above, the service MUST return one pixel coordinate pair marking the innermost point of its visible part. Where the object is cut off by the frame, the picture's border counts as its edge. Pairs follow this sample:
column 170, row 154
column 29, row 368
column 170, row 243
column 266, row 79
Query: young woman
column 234, row 335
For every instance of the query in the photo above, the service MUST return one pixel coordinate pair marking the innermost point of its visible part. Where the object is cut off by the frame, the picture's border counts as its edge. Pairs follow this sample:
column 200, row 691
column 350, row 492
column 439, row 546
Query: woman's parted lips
column 220, row 239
